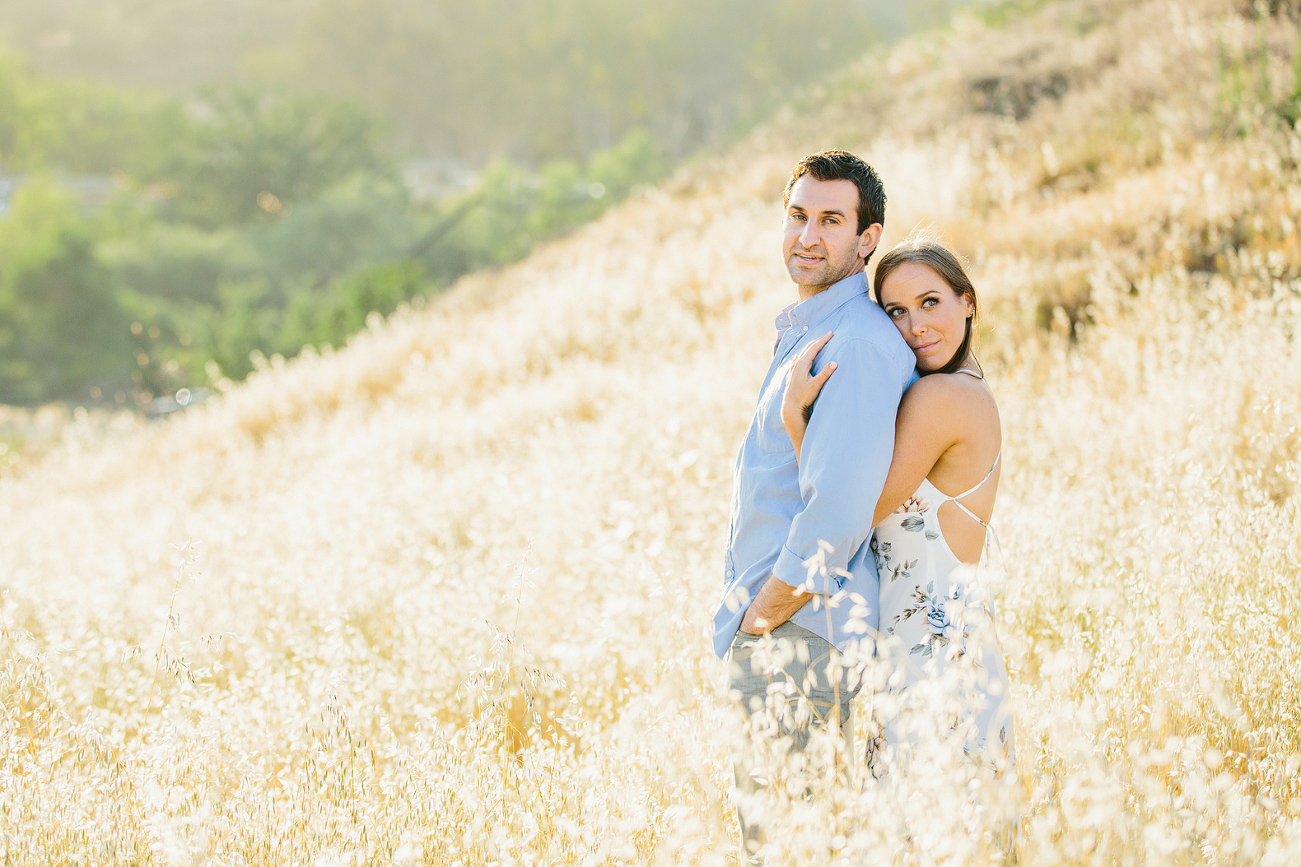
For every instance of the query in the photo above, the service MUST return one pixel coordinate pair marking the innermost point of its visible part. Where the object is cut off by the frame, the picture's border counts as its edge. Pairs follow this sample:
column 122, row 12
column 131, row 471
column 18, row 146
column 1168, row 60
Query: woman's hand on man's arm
column 802, row 388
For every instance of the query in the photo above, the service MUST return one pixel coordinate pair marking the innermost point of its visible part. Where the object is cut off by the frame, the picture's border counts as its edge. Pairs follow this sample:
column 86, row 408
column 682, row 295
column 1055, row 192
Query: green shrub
column 316, row 318
column 62, row 331
column 260, row 151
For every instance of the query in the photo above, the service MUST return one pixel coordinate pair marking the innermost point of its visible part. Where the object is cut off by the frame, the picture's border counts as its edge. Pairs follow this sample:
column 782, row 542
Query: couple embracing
column 862, row 492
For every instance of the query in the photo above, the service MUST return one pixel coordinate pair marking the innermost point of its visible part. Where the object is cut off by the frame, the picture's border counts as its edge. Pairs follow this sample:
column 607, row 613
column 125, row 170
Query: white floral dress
column 947, row 679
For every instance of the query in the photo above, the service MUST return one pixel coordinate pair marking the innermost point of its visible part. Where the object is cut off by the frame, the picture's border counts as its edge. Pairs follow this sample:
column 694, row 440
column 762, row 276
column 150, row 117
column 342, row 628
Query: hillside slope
column 356, row 668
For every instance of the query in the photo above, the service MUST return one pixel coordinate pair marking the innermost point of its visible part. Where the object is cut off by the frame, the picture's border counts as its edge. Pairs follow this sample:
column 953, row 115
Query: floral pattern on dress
column 915, row 508
column 939, row 623
column 913, row 504
column 941, row 629
column 886, row 565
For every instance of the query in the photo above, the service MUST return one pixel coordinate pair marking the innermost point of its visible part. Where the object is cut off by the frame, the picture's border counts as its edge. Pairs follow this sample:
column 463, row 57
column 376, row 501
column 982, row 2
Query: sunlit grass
column 453, row 587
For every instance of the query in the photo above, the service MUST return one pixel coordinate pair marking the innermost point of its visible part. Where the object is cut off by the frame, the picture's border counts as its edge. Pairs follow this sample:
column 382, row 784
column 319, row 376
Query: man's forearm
column 776, row 603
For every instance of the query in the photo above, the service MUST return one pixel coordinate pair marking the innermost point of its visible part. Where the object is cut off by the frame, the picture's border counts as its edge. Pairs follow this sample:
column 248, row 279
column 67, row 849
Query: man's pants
column 787, row 687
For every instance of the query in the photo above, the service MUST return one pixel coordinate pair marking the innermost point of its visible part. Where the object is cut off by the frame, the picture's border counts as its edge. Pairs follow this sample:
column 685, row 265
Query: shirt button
column 805, row 328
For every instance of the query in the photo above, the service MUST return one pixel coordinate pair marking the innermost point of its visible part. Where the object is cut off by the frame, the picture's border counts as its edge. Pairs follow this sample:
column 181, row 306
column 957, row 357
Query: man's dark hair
column 838, row 165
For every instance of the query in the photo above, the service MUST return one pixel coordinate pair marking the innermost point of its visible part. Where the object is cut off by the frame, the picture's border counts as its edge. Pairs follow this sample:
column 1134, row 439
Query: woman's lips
column 926, row 346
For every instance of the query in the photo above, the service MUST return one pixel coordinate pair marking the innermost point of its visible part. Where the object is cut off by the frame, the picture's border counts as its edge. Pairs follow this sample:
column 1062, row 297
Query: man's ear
column 868, row 240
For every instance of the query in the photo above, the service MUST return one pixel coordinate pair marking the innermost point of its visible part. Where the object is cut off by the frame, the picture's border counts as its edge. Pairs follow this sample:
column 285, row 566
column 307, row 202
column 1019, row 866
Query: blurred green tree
column 634, row 160
column 315, row 318
column 540, row 80
column 84, row 126
column 260, row 151
column 62, row 331
column 12, row 80
column 244, row 321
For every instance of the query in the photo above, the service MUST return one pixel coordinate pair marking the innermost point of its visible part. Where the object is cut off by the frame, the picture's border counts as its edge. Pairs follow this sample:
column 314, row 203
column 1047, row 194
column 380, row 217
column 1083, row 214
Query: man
column 797, row 565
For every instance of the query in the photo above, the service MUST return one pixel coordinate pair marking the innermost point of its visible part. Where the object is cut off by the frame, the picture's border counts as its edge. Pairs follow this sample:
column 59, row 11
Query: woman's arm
column 926, row 425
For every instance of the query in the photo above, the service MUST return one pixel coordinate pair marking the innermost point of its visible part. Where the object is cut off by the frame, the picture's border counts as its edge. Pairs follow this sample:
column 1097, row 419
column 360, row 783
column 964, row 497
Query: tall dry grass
column 449, row 592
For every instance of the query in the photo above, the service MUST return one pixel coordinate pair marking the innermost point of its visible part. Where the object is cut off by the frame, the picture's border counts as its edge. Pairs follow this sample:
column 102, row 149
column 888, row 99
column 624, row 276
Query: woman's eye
column 930, row 302
column 894, row 312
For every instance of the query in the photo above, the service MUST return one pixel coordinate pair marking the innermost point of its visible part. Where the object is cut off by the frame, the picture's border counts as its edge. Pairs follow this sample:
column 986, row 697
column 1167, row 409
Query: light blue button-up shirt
column 781, row 508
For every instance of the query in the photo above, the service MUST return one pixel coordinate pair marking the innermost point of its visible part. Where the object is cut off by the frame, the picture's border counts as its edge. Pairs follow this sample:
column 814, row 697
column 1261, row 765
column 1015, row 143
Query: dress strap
column 976, row 486
column 955, row 498
column 997, row 458
column 970, row 513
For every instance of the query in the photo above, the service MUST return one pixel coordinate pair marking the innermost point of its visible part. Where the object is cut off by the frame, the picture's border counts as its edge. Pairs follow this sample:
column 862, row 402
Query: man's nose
column 809, row 234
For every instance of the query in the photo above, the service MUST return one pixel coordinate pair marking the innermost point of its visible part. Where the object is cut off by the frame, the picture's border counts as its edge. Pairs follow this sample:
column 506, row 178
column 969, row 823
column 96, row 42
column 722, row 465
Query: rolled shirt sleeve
column 844, row 460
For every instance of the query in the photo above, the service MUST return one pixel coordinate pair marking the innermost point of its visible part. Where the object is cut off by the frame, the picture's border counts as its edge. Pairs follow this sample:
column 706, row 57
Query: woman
column 936, row 620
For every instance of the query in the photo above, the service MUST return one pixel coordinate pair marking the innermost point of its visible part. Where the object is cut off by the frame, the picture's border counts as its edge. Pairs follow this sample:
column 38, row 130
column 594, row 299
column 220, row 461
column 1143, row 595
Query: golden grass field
column 443, row 597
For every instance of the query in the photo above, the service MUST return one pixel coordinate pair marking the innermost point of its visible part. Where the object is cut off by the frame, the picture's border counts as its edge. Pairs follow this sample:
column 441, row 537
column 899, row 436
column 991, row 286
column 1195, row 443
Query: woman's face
column 931, row 317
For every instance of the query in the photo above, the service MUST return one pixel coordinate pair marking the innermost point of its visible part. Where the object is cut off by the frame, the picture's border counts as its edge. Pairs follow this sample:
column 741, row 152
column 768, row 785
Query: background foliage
column 244, row 172
column 151, row 239
column 530, row 80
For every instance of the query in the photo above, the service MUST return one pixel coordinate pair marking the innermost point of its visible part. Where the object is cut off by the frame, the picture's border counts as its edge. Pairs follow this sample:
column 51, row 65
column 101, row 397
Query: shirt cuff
column 790, row 569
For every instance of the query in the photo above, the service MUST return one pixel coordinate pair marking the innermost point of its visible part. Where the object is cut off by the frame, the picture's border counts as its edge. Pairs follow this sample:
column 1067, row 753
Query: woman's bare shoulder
column 956, row 396
column 947, row 387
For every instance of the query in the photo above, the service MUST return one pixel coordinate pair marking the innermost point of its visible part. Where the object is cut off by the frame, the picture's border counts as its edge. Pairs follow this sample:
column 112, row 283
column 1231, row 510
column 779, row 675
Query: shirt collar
column 811, row 311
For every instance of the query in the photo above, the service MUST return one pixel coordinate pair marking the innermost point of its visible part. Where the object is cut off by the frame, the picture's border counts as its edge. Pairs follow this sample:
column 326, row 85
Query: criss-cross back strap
column 971, row 514
column 957, row 497
column 976, row 487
